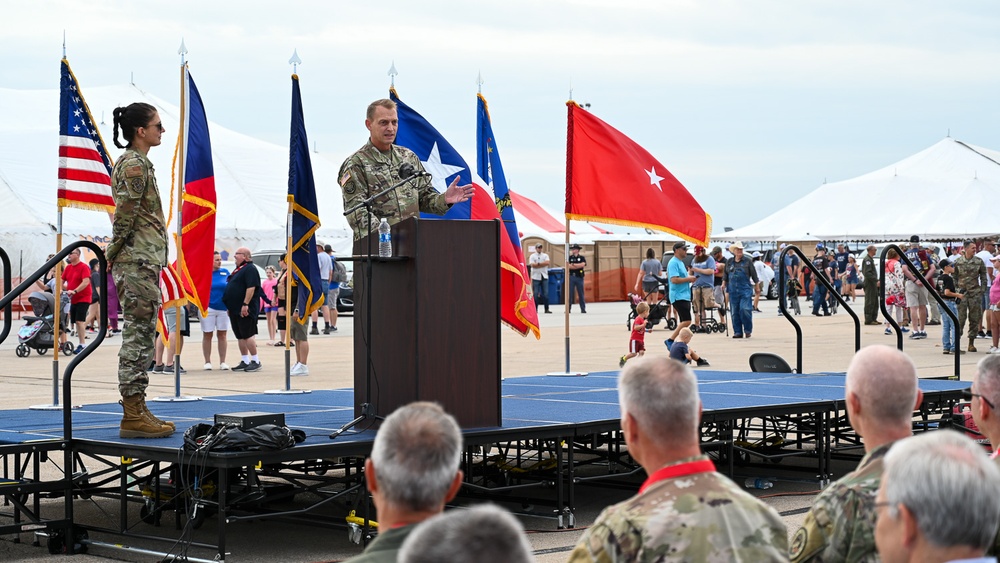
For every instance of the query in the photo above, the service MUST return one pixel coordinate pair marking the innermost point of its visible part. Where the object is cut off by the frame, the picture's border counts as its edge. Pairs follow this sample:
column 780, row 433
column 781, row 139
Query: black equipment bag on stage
column 230, row 438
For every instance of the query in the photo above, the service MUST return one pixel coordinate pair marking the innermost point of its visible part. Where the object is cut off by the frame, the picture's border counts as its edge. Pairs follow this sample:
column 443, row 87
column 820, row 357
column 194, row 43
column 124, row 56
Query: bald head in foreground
column 685, row 511
column 880, row 396
column 938, row 500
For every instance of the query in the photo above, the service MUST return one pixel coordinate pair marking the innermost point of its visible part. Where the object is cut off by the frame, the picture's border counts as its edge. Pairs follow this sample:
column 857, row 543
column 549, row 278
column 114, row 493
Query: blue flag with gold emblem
column 305, row 213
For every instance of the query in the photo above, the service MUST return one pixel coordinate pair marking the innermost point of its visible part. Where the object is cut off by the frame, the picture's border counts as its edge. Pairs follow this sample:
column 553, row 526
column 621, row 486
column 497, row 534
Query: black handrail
column 5, row 303
column 819, row 277
column 8, row 309
column 931, row 290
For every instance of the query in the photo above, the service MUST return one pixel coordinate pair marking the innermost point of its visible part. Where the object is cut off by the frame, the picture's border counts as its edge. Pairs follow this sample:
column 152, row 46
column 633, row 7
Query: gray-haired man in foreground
column 938, row 500
column 411, row 474
column 685, row 511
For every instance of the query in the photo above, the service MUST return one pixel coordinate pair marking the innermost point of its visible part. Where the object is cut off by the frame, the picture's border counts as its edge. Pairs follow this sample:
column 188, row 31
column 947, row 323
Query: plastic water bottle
column 758, row 483
column 384, row 240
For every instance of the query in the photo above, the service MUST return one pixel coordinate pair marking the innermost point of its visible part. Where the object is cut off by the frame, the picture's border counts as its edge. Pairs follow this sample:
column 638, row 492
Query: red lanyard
column 679, row 470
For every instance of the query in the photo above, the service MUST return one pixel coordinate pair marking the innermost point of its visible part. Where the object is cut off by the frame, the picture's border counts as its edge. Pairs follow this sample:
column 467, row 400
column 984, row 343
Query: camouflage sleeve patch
column 810, row 540
column 134, row 171
column 136, row 187
column 345, row 178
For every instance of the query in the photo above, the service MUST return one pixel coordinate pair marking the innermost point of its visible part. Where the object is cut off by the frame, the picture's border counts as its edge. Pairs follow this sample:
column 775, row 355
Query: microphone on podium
column 407, row 170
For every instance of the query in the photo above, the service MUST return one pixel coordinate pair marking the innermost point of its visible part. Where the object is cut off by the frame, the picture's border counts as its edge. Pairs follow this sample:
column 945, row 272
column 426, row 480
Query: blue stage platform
column 551, row 404
column 557, row 433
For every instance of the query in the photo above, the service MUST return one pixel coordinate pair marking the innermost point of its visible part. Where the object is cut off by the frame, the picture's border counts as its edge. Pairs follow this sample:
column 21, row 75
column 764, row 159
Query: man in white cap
column 539, row 262
column 740, row 278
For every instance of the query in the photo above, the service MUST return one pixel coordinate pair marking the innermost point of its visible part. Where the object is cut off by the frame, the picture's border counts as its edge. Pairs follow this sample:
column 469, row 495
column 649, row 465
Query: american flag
column 84, row 164
column 171, row 295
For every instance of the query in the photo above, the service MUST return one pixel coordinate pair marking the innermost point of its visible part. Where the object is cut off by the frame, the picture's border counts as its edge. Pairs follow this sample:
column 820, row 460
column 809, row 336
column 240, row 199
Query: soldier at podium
column 375, row 167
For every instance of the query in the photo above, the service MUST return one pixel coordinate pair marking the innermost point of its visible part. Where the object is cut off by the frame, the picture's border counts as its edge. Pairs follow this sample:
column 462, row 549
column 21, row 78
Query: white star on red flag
column 654, row 179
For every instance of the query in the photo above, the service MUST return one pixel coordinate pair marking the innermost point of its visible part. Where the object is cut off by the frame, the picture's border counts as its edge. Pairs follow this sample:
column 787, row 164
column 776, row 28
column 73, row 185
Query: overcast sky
column 751, row 104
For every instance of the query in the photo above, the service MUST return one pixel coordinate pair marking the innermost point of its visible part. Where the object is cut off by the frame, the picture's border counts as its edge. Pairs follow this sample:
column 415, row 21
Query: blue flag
column 491, row 171
column 305, row 213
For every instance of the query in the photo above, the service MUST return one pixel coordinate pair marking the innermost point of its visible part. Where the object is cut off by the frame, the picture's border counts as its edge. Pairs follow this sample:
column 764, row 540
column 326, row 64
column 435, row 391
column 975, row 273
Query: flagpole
column 57, row 291
column 295, row 61
column 568, row 372
column 58, row 334
column 288, row 307
column 179, row 226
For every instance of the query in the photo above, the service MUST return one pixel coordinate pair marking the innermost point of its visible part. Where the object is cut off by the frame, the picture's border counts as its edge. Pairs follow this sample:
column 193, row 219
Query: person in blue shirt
column 680, row 289
column 216, row 319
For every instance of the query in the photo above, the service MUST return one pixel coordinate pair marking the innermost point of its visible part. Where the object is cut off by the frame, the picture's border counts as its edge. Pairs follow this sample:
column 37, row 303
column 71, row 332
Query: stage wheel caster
column 148, row 514
column 22, row 351
column 57, row 542
column 199, row 517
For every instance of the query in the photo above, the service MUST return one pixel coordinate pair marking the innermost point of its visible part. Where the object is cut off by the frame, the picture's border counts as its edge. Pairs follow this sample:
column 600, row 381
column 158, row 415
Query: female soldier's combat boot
column 136, row 423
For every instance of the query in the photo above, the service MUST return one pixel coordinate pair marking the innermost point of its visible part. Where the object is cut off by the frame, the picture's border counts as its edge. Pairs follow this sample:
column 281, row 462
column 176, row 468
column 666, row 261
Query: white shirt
column 539, row 272
column 987, row 258
column 325, row 265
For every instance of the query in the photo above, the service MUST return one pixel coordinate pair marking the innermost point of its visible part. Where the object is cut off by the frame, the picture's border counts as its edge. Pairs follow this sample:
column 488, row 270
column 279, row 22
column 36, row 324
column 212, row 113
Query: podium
column 435, row 316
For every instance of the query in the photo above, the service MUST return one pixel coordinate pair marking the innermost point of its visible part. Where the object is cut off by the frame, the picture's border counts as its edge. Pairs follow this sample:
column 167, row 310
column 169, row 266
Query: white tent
column 944, row 192
column 251, row 178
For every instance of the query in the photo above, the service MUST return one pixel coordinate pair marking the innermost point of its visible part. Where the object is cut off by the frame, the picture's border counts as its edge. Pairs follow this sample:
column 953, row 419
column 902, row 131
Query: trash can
column 557, row 277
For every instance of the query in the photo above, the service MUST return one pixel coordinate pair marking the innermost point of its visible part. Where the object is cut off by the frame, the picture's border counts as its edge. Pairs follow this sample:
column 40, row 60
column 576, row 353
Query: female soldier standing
column 137, row 253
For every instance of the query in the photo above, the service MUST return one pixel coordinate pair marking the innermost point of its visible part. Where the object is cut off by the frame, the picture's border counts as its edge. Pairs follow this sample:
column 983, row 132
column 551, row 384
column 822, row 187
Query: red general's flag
column 193, row 165
column 611, row 179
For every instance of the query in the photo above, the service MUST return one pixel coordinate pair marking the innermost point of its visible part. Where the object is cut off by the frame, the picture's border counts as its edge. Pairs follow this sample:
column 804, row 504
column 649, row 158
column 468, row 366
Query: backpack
column 339, row 272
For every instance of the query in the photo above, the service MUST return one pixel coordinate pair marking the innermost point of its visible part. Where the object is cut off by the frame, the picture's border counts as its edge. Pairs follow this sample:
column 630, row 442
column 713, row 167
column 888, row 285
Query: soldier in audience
column 880, row 396
column 938, row 501
column 971, row 281
column 685, row 511
column 983, row 397
column 411, row 474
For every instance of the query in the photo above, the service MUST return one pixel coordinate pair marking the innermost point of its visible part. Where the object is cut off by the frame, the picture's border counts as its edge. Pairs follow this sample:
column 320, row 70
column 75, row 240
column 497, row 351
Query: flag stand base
column 287, row 391
column 178, row 399
column 567, row 373
column 51, row 407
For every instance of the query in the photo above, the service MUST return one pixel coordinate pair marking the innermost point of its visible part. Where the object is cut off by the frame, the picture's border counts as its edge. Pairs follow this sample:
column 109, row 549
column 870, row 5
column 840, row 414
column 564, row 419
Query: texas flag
column 443, row 162
column 195, row 197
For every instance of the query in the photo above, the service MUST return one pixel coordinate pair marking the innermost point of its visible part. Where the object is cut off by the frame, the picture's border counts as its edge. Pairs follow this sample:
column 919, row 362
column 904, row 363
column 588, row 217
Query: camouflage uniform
column 693, row 518
column 138, row 251
column 971, row 281
column 841, row 524
column 369, row 171
column 996, row 543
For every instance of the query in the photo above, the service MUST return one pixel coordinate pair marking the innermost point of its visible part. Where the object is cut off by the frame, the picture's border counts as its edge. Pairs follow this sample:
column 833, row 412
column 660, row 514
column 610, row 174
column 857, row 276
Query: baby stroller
column 657, row 311
column 39, row 330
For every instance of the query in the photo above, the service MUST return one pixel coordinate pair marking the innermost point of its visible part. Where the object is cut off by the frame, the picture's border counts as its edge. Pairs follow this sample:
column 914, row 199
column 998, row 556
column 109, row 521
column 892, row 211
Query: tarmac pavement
column 596, row 341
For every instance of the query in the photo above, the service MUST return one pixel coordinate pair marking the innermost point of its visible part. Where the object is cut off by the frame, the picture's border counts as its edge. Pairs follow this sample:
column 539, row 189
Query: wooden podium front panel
column 435, row 321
